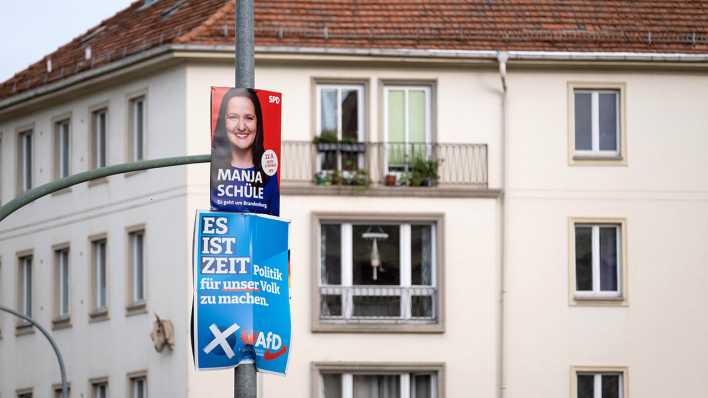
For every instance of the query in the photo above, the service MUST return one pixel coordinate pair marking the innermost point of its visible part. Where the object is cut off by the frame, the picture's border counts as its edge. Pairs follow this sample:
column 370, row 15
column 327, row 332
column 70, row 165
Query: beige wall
column 661, row 193
column 122, row 344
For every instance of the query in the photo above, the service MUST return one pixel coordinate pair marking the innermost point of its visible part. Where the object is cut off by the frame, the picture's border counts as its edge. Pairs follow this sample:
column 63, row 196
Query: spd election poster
column 245, row 150
column 241, row 291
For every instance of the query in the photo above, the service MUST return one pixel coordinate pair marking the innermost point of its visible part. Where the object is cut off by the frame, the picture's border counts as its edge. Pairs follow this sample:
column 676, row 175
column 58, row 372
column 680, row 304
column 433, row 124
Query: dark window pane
column 586, row 386
column 583, row 258
column 421, row 386
column 608, row 258
column 421, row 255
column 608, row 122
column 331, row 305
column 610, row 386
column 366, row 271
column 350, row 115
column 422, row 306
column 332, row 385
column 377, row 306
column 372, row 386
column 328, row 111
column 583, row 121
column 330, row 253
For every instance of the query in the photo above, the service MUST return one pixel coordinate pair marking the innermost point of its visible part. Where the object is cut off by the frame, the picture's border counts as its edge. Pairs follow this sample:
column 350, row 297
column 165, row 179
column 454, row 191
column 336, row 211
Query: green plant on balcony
column 326, row 141
column 423, row 173
column 335, row 177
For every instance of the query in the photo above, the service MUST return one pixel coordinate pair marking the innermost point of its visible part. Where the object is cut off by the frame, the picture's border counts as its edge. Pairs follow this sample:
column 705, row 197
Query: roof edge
column 489, row 55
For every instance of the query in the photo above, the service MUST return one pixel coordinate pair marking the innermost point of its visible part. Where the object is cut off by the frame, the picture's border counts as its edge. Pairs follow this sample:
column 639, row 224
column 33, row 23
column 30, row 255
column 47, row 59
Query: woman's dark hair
column 221, row 146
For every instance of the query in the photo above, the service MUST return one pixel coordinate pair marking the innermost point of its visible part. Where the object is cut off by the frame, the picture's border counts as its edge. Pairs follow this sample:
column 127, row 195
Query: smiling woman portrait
column 238, row 180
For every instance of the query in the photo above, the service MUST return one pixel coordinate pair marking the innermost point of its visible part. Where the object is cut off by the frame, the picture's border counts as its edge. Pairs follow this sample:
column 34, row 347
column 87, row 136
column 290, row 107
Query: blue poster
column 241, row 291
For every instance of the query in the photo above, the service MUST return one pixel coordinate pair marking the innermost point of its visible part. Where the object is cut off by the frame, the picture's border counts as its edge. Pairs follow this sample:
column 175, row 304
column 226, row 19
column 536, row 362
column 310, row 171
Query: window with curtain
column 99, row 127
column 597, row 122
column 598, row 260
column 378, row 272
column 62, row 149
column 99, row 280
column 407, row 125
column 25, row 161
column 62, row 283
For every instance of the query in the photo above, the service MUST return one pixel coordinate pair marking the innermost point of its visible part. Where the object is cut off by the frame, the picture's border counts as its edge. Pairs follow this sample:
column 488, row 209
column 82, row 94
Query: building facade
column 558, row 253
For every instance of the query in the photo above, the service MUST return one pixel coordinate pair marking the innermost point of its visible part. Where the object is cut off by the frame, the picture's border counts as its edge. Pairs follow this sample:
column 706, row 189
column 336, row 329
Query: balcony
column 383, row 168
column 378, row 304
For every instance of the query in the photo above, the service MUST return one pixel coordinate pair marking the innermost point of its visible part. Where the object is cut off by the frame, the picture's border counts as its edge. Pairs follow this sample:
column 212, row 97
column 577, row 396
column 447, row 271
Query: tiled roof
column 669, row 26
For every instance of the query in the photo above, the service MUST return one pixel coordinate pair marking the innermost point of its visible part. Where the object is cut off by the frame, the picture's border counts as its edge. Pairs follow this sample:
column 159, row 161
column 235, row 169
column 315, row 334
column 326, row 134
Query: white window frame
column 96, row 390
column 348, row 289
column 25, row 296
column 64, row 287
column 361, row 133
column 428, row 120
column 137, row 266
column 26, row 160
column 404, row 381
column 138, row 387
column 596, row 292
column 597, row 380
column 137, row 128
column 63, row 148
column 99, row 249
column 100, row 137
column 595, row 123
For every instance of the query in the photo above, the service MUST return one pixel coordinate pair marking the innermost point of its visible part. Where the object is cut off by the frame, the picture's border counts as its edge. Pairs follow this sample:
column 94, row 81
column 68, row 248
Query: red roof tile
column 547, row 25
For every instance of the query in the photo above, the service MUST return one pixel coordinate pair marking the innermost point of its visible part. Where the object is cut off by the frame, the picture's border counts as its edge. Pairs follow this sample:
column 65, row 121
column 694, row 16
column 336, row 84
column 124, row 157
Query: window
column 62, row 149
column 340, row 117
column 24, row 393
column 56, row 388
column 407, row 124
column 62, row 295
column 598, row 260
column 138, row 386
column 137, row 129
column 137, row 267
column 25, row 161
column 354, row 381
column 597, row 122
column 99, row 271
column 25, row 285
column 99, row 128
column 378, row 272
column 99, row 388
column 600, row 383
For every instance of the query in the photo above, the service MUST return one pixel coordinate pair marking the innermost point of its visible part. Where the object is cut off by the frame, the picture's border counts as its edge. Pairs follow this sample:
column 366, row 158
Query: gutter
column 502, row 59
column 226, row 51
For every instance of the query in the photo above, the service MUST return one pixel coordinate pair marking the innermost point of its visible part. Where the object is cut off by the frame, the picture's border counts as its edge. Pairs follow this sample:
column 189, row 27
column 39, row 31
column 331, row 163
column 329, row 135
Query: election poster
column 245, row 150
column 241, row 291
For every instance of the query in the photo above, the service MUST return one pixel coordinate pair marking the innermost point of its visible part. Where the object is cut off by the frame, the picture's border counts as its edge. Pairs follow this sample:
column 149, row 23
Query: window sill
column 598, row 160
column 98, row 316
column 369, row 327
column 98, row 181
column 599, row 301
column 134, row 173
column 62, row 192
column 61, row 323
column 24, row 329
column 136, row 309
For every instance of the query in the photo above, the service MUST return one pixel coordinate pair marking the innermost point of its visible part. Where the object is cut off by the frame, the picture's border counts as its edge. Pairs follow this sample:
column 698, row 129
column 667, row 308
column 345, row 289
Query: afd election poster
column 241, row 291
column 245, row 149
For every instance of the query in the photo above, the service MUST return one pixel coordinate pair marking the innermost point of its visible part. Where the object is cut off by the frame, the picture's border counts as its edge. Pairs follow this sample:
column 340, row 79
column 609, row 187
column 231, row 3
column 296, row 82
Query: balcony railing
column 389, row 163
column 416, row 304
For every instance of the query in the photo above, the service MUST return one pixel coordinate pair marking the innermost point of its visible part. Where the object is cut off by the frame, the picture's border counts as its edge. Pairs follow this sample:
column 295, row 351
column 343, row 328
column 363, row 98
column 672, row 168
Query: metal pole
column 245, row 374
column 42, row 190
column 60, row 359
column 245, row 61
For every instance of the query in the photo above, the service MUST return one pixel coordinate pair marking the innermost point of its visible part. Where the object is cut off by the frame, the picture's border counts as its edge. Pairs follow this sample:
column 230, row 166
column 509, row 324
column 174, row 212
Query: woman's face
column 241, row 122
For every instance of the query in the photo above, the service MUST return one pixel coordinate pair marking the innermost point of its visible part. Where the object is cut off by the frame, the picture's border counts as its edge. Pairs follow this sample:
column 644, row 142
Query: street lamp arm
column 60, row 359
column 63, row 183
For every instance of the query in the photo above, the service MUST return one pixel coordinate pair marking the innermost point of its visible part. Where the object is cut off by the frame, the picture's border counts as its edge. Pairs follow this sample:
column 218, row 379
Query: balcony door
column 340, row 119
column 407, row 124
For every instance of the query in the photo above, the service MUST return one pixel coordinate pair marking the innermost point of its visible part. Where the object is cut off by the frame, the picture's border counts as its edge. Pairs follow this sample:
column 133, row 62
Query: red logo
column 270, row 355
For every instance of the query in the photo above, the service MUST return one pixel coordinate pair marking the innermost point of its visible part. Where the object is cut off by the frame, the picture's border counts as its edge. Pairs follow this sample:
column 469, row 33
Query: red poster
column 245, row 150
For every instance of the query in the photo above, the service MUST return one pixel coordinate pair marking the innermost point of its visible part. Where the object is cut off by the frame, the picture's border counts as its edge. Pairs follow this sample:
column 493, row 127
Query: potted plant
column 352, row 145
column 390, row 180
column 327, row 141
column 424, row 172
